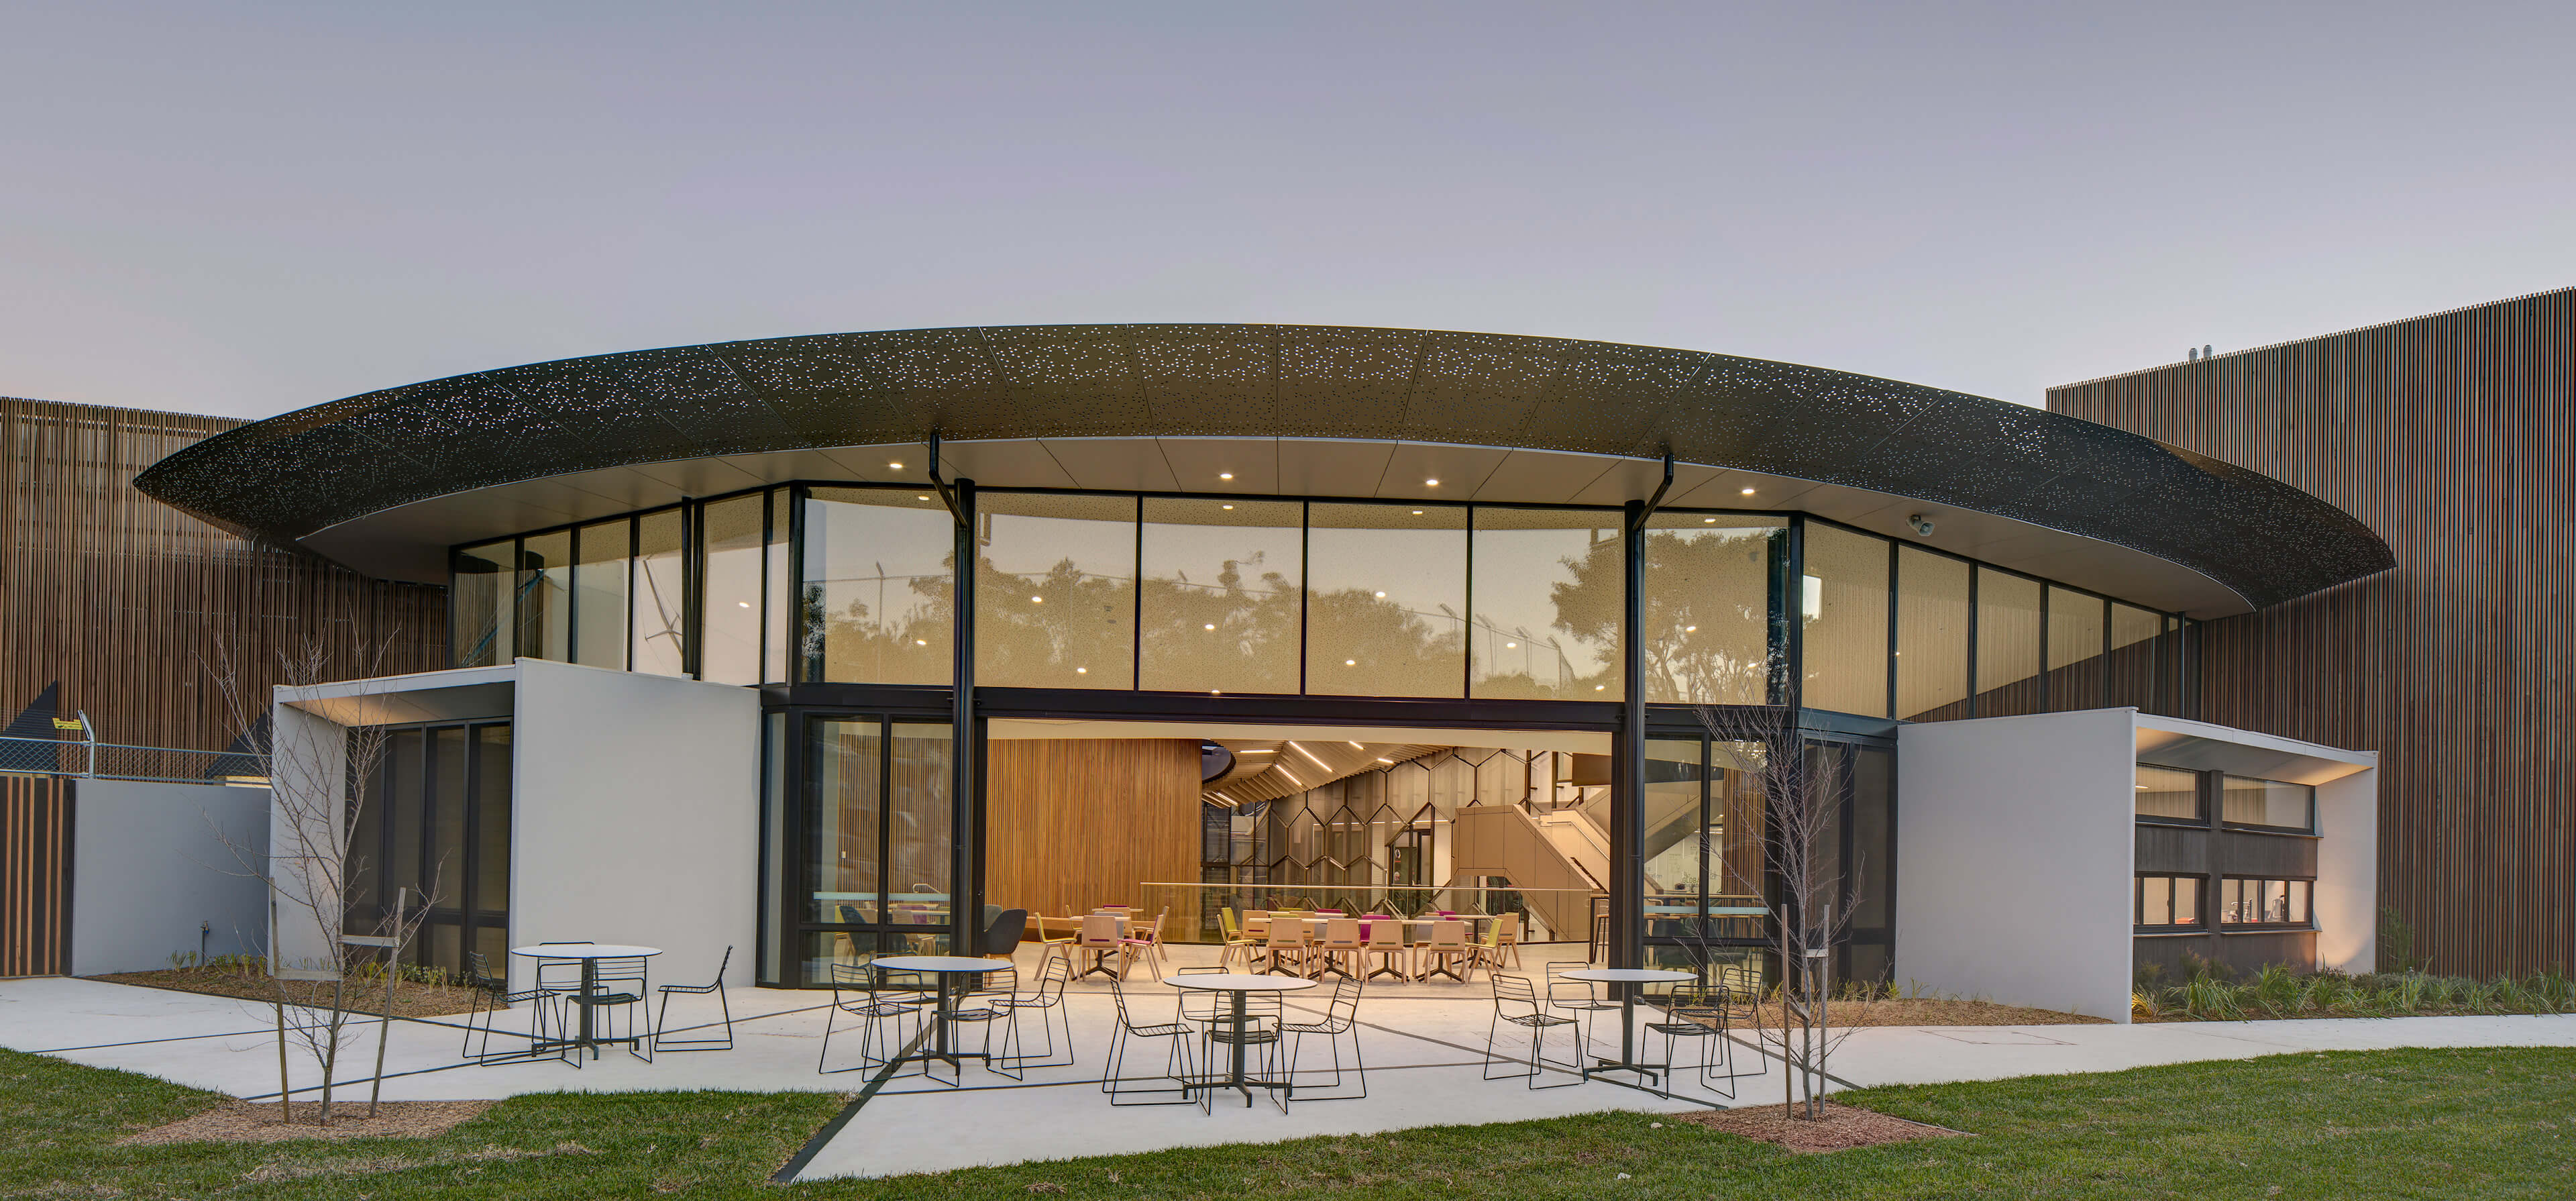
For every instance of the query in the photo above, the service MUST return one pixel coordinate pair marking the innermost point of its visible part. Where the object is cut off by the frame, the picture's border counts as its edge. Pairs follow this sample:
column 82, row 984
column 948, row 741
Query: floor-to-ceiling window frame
column 1714, row 896
column 433, row 820
column 856, row 831
column 758, row 541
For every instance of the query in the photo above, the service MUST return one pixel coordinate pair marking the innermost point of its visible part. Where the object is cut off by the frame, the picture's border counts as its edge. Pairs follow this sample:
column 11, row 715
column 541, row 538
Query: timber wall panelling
column 2450, row 435
column 116, row 597
column 1071, row 824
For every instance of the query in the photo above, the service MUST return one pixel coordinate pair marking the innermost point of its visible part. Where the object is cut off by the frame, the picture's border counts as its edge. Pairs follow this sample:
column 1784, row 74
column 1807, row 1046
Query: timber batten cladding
column 2450, row 436
column 111, row 598
column 35, row 875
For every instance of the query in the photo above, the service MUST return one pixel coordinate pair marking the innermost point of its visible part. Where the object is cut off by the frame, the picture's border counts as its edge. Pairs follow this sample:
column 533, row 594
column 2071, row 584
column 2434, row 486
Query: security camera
column 1922, row 525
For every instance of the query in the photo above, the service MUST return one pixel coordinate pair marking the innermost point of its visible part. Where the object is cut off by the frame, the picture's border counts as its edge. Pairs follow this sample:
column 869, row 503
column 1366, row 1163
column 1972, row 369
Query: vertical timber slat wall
column 2449, row 435
column 35, row 875
column 116, row 597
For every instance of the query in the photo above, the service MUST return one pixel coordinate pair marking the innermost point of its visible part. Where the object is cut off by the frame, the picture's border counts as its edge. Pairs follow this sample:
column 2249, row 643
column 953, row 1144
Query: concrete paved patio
column 1424, row 1045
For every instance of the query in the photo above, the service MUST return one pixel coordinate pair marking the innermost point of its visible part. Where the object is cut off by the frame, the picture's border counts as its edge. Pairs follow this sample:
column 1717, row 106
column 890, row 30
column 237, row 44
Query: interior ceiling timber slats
column 1071, row 824
column 2449, row 435
column 117, row 598
column 1254, row 776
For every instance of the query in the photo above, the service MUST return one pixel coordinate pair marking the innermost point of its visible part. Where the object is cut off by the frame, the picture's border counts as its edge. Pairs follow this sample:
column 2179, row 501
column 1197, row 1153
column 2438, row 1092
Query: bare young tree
column 1806, row 894
column 307, row 865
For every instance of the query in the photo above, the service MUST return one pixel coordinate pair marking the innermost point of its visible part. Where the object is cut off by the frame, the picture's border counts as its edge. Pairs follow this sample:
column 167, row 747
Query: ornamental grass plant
column 2207, row 992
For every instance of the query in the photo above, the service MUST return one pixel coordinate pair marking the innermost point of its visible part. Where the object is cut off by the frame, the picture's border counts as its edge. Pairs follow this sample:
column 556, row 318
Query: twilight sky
column 246, row 208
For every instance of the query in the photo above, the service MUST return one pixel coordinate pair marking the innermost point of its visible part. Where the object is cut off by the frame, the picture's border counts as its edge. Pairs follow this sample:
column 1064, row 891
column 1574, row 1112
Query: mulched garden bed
column 246, row 1122
column 1841, row 1129
column 412, row 999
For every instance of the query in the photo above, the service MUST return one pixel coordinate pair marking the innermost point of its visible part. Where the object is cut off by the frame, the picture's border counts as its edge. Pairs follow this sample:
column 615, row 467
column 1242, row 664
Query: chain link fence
column 113, row 761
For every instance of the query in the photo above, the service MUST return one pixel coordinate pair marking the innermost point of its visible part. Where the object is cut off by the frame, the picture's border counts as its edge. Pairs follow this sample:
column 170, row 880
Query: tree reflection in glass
column 1221, row 580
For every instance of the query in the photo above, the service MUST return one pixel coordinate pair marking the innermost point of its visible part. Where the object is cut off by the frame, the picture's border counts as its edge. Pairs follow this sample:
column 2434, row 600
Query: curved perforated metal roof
column 342, row 467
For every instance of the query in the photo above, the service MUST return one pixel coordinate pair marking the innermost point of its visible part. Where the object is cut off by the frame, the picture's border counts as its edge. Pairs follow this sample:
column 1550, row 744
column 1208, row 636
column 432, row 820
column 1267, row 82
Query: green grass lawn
column 2482, row 1123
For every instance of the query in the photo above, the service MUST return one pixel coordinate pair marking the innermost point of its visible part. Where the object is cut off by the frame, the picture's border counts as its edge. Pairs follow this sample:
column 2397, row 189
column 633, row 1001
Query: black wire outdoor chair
column 619, row 987
column 1698, row 1011
column 492, row 995
column 1262, row 1034
column 1126, row 1032
column 1046, row 999
column 870, row 994
column 662, row 1021
column 1577, row 997
column 1341, row 1017
column 1516, row 1004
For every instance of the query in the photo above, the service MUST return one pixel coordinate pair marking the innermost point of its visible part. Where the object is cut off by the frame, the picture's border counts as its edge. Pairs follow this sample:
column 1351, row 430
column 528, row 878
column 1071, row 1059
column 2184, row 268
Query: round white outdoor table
column 589, row 953
column 1627, row 1061
column 1238, row 986
column 946, row 967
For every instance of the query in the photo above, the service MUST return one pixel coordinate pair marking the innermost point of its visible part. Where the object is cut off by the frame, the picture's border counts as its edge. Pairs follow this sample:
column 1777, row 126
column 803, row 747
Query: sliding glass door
column 872, row 842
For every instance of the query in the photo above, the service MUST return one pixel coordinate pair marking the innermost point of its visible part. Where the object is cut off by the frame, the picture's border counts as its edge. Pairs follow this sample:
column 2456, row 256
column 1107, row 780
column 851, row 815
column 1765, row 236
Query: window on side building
column 2168, row 903
column 2269, row 804
column 2167, row 794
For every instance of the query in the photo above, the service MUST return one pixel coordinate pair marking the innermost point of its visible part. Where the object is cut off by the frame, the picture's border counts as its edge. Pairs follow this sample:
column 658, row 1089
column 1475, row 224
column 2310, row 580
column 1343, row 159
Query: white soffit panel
column 2201, row 746
column 1461, row 470
column 1543, row 477
column 1019, row 463
column 1114, row 464
column 411, row 542
column 1332, row 466
column 1201, row 464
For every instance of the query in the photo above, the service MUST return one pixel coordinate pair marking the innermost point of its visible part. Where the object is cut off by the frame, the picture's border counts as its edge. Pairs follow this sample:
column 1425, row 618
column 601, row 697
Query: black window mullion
column 469, row 857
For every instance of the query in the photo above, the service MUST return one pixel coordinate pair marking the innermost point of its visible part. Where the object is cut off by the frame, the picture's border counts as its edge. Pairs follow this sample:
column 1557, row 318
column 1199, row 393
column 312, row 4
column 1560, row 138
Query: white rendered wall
column 2347, row 896
column 151, row 861
column 636, row 817
column 2014, row 859
column 308, row 757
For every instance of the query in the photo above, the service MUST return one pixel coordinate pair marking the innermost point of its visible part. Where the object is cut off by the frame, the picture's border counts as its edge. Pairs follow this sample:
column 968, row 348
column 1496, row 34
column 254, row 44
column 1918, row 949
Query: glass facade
column 854, row 584
column 2008, row 644
column 1386, row 600
column 1931, row 650
column 602, row 564
column 876, row 600
column 1712, row 627
column 1115, row 591
column 729, row 624
column 480, row 586
column 660, row 604
column 2077, row 625
column 1055, row 591
column 872, row 872
column 1843, row 619
column 1546, row 586
column 544, row 596
column 1222, row 588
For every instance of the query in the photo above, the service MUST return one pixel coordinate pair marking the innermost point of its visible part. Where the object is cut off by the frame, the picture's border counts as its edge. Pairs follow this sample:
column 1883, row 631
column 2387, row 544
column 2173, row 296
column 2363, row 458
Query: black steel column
column 1627, row 947
column 965, row 894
